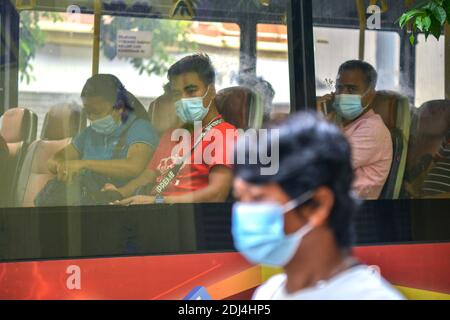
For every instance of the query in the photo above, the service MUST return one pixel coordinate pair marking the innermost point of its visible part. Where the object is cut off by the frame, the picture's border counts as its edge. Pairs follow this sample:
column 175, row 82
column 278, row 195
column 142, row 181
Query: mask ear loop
column 295, row 203
column 210, row 102
column 362, row 96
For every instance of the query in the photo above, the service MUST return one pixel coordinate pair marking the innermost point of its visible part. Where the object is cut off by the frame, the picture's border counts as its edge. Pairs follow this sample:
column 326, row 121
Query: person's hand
column 321, row 102
column 109, row 187
column 135, row 200
column 67, row 170
column 52, row 165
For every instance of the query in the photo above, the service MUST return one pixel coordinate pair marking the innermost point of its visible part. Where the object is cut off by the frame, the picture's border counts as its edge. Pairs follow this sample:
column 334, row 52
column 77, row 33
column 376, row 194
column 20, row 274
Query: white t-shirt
column 357, row 283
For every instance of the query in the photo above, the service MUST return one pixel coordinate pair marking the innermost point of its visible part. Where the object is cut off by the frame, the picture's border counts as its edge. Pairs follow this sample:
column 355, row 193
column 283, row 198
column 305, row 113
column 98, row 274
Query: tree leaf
column 440, row 14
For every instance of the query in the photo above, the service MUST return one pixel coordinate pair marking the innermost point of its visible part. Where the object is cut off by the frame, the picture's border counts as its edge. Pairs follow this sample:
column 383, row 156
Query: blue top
column 95, row 146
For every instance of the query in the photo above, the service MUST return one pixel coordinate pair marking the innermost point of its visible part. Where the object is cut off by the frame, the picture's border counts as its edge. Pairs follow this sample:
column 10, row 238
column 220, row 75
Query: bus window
column 87, row 70
column 170, row 41
column 48, row 40
column 272, row 68
column 429, row 76
column 409, row 97
column 334, row 46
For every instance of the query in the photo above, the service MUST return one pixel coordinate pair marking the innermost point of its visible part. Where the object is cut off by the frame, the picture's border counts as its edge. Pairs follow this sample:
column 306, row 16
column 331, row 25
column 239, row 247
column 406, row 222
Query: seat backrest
column 389, row 191
column 138, row 107
column 4, row 156
column 395, row 111
column 61, row 123
column 241, row 107
column 19, row 125
column 162, row 114
column 19, row 129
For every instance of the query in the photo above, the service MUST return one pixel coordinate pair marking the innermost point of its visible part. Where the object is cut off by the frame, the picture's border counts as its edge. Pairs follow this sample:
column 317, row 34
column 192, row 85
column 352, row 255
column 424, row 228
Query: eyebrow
column 347, row 85
column 190, row 87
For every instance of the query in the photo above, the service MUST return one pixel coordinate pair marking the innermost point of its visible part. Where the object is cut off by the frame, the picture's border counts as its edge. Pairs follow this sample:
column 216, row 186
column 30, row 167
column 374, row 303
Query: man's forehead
column 184, row 80
column 350, row 77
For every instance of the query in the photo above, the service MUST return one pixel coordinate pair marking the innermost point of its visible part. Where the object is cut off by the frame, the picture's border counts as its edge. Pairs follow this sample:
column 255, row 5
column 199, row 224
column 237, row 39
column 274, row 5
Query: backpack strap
column 122, row 139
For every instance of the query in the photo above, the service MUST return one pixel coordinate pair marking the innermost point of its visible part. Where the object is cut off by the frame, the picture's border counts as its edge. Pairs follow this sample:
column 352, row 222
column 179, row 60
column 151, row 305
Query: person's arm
column 67, row 154
column 138, row 156
column 219, row 185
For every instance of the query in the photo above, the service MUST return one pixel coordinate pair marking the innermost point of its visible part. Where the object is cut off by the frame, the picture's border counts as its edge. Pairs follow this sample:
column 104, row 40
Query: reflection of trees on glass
column 32, row 38
column 167, row 36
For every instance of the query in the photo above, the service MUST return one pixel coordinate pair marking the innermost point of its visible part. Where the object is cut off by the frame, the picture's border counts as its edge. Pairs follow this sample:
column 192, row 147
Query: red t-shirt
column 216, row 148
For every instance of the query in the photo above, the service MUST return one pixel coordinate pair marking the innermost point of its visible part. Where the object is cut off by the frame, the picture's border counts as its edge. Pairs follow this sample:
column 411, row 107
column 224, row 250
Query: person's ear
column 371, row 96
column 319, row 209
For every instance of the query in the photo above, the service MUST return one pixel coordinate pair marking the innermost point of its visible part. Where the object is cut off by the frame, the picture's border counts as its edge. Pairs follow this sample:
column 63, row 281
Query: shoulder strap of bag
column 172, row 173
column 122, row 139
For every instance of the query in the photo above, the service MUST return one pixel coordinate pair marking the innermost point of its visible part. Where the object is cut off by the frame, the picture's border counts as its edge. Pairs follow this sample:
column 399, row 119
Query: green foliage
column 428, row 17
column 31, row 39
column 166, row 35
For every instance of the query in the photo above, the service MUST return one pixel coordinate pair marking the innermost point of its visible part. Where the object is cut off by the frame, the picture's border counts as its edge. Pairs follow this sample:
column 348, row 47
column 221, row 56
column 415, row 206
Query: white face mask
column 190, row 110
column 349, row 106
column 106, row 125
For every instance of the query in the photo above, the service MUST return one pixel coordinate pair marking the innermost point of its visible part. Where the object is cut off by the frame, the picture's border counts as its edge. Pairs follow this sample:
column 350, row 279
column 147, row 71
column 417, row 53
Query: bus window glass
column 48, row 41
column 272, row 67
column 408, row 102
column 98, row 100
column 170, row 40
column 333, row 46
column 430, row 77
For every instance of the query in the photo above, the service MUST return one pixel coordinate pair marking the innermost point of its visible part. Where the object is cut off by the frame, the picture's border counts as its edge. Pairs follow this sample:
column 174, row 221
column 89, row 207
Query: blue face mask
column 106, row 125
column 349, row 106
column 258, row 231
column 190, row 110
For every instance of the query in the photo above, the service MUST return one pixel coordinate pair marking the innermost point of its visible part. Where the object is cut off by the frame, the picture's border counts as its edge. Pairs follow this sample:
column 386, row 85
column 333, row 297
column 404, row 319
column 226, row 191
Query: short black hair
column 312, row 153
column 110, row 88
column 366, row 68
column 199, row 63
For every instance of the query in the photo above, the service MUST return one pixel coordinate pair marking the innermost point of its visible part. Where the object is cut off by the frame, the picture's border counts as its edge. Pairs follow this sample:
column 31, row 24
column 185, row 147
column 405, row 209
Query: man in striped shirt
column 437, row 181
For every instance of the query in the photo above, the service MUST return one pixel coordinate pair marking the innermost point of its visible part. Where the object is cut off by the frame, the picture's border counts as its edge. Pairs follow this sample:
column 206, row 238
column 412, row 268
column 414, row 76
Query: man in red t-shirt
column 193, row 163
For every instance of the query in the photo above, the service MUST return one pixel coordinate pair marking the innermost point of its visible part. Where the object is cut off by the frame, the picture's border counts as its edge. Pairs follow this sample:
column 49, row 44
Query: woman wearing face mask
column 370, row 139
column 189, row 174
column 117, row 144
column 300, row 218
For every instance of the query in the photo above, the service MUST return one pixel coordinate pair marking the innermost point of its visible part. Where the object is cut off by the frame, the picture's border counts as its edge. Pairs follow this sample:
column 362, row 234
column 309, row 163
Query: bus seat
column 431, row 123
column 241, row 107
column 19, row 129
column 162, row 114
column 137, row 106
column 4, row 155
column 395, row 111
column 60, row 125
